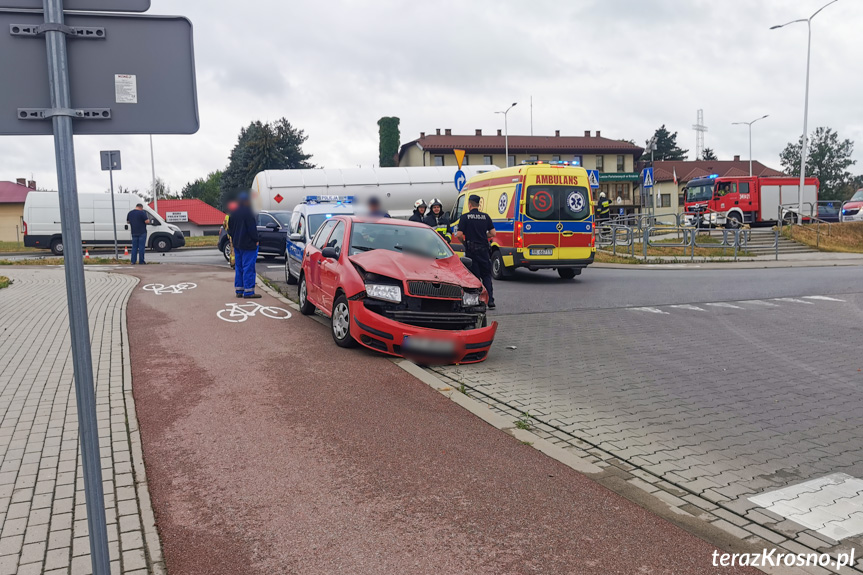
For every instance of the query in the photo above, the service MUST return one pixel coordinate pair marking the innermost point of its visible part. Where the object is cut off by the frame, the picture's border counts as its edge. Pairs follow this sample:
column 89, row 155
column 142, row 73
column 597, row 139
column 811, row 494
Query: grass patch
column 846, row 237
column 5, row 282
column 202, row 241
column 13, row 247
column 524, row 422
column 609, row 258
column 60, row 262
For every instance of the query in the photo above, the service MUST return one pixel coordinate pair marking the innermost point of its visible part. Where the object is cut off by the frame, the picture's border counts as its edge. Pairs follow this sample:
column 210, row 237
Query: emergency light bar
column 543, row 162
column 328, row 199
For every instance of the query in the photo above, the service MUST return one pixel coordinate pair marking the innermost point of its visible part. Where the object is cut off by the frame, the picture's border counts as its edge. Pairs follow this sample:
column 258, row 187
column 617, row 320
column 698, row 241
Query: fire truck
column 733, row 201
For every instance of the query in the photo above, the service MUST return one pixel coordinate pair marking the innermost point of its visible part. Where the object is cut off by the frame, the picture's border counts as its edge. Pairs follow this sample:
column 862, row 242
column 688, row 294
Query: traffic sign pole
column 76, row 293
column 113, row 209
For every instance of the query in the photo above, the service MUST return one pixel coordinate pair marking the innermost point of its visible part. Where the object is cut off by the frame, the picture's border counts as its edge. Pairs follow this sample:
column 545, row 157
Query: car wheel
column 227, row 249
column 733, row 221
column 790, row 218
column 306, row 307
column 289, row 279
column 162, row 244
column 57, row 247
column 341, row 324
column 498, row 270
column 567, row 273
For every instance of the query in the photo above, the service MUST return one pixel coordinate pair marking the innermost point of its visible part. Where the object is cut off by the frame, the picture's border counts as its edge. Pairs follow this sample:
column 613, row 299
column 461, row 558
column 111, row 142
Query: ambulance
column 543, row 214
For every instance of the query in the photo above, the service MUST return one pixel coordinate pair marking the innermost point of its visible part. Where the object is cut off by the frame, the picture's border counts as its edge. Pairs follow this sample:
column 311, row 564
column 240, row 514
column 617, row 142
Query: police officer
column 475, row 229
column 603, row 207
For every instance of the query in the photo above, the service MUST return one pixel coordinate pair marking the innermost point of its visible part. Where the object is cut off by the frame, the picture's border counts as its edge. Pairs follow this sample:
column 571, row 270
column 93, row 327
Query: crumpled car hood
column 411, row 267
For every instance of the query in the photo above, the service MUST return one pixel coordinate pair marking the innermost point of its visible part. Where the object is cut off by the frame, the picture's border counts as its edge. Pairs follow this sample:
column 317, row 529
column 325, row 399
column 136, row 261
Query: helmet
column 602, row 195
column 419, row 204
column 435, row 202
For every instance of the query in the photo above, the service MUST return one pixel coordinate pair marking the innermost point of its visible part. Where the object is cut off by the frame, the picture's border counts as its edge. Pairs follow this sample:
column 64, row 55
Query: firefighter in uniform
column 475, row 229
column 603, row 207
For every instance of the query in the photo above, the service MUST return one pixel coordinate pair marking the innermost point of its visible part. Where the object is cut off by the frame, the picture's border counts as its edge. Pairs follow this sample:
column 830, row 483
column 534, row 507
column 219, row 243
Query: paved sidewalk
column 42, row 513
column 271, row 450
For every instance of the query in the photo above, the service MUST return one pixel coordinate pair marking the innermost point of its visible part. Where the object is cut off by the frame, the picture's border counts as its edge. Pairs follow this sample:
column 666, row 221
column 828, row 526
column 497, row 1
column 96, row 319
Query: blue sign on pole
column 460, row 180
column 593, row 178
column 620, row 211
column 647, row 178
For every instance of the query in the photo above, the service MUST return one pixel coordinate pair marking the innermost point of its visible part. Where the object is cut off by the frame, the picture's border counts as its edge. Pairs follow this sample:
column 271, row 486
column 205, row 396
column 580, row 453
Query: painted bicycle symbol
column 542, row 201
column 240, row 312
column 159, row 289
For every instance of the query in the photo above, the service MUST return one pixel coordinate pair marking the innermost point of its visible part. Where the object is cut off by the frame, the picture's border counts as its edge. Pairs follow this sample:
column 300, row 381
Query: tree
column 390, row 138
column 274, row 146
column 666, row 146
column 143, row 195
column 828, row 159
column 163, row 191
column 708, row 155
column 207, row 189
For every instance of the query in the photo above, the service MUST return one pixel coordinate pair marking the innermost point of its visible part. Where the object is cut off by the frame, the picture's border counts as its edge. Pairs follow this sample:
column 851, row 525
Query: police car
column 307, row 217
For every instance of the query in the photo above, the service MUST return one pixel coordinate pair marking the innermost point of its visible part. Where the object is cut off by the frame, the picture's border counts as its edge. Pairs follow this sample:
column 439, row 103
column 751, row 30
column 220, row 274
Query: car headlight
column 470, row 299
column 384, row 292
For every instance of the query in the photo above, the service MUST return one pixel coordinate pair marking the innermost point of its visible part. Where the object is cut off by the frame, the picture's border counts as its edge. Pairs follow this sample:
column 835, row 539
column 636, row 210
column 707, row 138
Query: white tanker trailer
column 396, row 188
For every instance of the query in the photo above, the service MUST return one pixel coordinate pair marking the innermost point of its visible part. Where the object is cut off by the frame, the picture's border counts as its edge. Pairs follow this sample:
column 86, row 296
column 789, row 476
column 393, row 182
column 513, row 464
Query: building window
column 600, row 163
column 438, row 160
column 681, row 199
column 466, row 160
column 510, row 160
column 487, row 160
column 621, row 165
column 621, row 193
column 555, row 158
column 533, row 158
column 666, row 200
column 576, row 160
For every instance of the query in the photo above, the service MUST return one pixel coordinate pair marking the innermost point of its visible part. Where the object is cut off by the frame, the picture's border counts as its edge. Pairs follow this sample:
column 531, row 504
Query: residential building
column 12, row 197
column 668, row 195
column 614, row 159
column 193, row 217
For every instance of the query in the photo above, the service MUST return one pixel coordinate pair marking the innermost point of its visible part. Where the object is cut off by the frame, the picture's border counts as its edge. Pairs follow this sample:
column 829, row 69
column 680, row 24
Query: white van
column 42, row 222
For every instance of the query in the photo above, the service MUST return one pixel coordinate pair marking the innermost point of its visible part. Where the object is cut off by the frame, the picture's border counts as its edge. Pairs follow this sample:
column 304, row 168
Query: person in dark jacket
column 419, row 211
column 243, row 231
column 375, row 209
column 138, row 220
column 436, row 218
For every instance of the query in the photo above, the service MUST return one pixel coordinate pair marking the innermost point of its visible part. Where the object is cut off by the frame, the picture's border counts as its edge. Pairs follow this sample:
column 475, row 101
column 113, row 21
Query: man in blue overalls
column 243, row 229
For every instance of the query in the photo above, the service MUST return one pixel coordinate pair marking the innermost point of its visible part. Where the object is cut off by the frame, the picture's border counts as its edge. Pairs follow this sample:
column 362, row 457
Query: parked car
column 852, row 210
column 307, row 217
column 828, row 210
column 395, row 287
column 272, row 235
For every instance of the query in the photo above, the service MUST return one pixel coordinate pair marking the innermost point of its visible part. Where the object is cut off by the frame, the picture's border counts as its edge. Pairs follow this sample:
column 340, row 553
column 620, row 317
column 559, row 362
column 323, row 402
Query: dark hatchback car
column 273, row 230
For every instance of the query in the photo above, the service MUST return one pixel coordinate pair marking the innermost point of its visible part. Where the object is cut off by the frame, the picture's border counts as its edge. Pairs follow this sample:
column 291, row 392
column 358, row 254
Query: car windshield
column 858, row 197
column 699, row 193
column 421, row 241
column 316, row 221
column 284, row 218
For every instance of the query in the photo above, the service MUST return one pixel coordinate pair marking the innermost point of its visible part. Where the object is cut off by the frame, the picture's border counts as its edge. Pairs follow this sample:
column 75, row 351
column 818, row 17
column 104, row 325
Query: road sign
column 85, row 5
column 620, row 211
column 593, row 178
column 647, row 178
column 176, row 217
column 459, row 157
column 460, row 180
column 130, row 89
column 110, row 160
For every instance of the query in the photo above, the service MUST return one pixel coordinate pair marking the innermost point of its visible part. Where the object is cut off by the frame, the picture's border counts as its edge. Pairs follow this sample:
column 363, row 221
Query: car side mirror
column 155, row 223
column 297, row 237
column 272, row 226
column 330, row 253
column 468, row 263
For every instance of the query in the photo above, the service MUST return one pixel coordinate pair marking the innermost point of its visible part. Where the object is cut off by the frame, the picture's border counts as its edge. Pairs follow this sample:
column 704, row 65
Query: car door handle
column 568, row 234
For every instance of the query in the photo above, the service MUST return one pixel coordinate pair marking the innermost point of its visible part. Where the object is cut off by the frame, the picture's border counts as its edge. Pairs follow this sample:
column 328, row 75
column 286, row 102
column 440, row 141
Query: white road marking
column 726, row 305
column 822, row 298
column 689, row 307
column 275, row 267
column 792, row 300
column 759, row 302
column 649, row 310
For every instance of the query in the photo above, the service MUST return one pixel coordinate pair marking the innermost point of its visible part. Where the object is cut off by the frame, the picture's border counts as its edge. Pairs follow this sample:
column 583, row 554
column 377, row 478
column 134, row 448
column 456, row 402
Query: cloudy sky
column 621, row 66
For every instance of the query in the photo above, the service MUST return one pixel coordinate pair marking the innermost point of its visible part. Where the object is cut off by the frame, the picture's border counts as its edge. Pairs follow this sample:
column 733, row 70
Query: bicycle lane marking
column 238, row 313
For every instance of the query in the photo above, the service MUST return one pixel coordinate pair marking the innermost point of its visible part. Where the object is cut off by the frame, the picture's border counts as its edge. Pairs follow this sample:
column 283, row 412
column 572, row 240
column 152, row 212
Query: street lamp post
column 750, row 137
column 805, row 105
column 506, row 131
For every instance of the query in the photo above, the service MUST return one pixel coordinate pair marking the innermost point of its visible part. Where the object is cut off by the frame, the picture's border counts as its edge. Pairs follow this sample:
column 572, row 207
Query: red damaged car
column 396, row 287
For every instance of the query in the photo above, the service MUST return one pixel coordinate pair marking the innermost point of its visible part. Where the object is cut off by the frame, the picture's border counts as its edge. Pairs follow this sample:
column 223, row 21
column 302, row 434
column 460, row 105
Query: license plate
column 541, row 252
column 426, row 345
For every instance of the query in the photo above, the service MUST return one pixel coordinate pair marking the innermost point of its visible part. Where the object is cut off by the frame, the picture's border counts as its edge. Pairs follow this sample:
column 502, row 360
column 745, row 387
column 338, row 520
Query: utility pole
column 700, row 129
column 750, row 137
column 506, row 131
column 153, row 177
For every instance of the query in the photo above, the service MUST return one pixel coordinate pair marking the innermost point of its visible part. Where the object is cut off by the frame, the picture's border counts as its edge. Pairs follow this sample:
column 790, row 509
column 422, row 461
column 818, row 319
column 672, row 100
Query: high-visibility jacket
column 604, row 206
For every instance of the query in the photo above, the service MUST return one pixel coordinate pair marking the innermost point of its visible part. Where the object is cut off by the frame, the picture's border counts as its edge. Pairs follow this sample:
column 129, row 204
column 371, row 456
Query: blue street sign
column 647, row 178
column 460, row 180
column 620, row 211
column 593, row 178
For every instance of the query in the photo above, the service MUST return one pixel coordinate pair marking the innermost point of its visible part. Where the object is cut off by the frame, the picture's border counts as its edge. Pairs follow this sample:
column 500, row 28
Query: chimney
column 557, row 133
column 31, row 184
column 736, row 158
column 479, row 132
column 598, row 134
column 448, row 132
column 587, row 133
column 437, row 131
column 422, row 134
column 500, row 132
column 21, row 181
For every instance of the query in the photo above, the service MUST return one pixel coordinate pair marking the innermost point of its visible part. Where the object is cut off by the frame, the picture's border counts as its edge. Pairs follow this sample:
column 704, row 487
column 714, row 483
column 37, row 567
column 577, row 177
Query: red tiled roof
column 199, row 212
column 663, row 171
column 12, row 193
column 521, row 144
